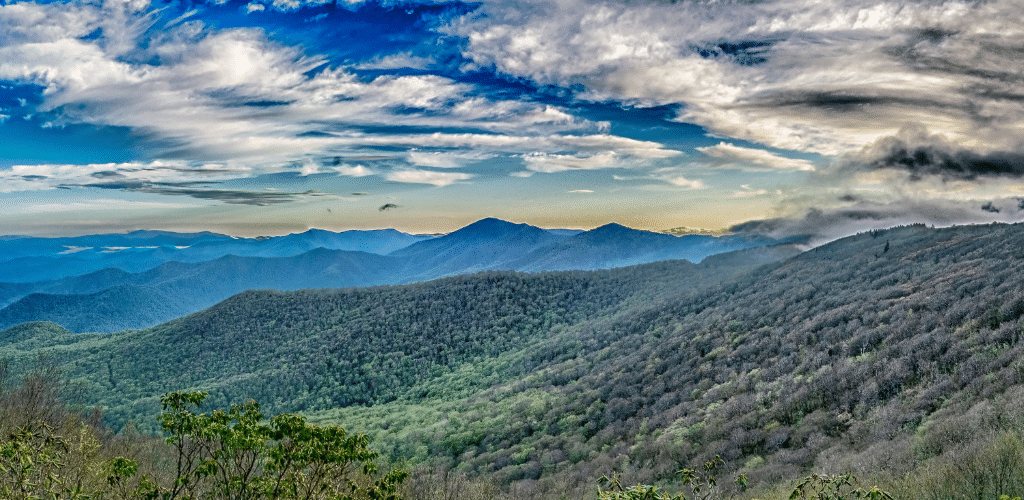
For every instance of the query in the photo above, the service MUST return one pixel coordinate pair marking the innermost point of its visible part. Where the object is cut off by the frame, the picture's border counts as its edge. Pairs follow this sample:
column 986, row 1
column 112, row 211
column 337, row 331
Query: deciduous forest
column 885, row 363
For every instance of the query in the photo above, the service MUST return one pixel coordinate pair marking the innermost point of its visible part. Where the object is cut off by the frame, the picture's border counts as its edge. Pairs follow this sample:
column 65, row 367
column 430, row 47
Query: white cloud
column 104, row 204
column 684, row 182
column 672, row 175
column 397, row 61
column 551, row 163
column 235, row 95
column 353, row 170
column 445, row 160
column 427, row 177
column 44, row 177
column 254, row 7
column 309, row 167
column 829, row 77
column 748, row 192
column 733, row 154
column 581, row 191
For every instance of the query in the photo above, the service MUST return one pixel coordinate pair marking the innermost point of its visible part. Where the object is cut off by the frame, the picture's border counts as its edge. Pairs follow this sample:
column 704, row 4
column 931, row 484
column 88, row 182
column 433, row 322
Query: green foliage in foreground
column 225, row 455
column 703, row 485
column 235, row 455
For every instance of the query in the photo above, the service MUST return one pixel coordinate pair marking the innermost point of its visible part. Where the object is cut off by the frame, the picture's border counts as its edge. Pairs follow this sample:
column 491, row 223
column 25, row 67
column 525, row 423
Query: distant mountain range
column 162, row 276
column 27, row 259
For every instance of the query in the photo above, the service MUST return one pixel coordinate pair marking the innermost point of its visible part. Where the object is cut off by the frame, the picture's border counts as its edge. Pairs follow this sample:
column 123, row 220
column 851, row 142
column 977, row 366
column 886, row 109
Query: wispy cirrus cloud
column 102, row 204
column 733, row 155
column 166, row 178
column 50, row 176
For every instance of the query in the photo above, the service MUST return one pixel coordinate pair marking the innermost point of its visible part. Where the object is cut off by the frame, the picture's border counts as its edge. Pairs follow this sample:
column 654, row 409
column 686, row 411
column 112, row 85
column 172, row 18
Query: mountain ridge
column 175, row 288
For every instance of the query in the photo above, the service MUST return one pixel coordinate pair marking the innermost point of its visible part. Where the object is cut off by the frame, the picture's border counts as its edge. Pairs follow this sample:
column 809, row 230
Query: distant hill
column 174, row 288
column 614, row 245
column 25, row 260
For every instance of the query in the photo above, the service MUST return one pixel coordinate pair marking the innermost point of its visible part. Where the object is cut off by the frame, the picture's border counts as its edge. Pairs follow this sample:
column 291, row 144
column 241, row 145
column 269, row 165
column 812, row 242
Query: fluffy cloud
column 235, row 95
column 799, row 75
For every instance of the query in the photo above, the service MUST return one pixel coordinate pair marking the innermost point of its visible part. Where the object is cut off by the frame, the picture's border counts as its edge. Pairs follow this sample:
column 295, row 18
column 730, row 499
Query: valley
column 893, row 354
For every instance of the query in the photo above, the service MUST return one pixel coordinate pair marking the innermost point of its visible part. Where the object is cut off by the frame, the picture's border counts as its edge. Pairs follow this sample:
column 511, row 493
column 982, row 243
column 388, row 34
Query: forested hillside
column 874, row 354
column 320, row 349
column 894, row 354
column 110, row 300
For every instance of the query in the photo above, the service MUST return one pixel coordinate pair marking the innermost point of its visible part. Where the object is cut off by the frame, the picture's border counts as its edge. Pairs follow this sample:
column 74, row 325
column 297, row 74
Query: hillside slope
column 174, row 289
column 891, row 353
column 864, row 354
column 320, row 349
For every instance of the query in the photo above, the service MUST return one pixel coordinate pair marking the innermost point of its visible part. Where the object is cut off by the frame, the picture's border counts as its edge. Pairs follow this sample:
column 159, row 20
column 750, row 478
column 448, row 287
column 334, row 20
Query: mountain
column 614, row 245
column 26, row 260
column 25, row 334
column 116, row 300
column 177, row 288
column 894, row 355
column 116, row 308
column 488, row 244
column 26, row 246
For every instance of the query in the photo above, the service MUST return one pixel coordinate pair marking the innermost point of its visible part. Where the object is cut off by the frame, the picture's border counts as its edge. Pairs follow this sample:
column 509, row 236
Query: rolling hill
column 895, row 354
column 173, row 289
column 28, row 260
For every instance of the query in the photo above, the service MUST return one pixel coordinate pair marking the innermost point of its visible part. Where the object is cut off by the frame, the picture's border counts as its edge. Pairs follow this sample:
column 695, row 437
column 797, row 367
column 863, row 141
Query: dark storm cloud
column 920, row 154
column 842, row 101
column 819, row 225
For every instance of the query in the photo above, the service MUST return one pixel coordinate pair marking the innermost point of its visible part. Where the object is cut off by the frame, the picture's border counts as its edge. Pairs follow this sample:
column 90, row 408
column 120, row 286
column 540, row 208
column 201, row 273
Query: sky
column 264, row 117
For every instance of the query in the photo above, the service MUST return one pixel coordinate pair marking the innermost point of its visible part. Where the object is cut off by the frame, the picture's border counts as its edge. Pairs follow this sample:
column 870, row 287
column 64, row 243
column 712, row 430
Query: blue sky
column 273, row 116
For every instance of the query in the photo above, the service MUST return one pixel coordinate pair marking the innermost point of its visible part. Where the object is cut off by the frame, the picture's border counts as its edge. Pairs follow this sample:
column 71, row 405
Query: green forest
column 886, row 363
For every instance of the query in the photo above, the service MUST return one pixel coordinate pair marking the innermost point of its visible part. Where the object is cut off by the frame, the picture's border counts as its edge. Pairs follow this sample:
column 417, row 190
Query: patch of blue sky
column 31, row 142
column 340, row 32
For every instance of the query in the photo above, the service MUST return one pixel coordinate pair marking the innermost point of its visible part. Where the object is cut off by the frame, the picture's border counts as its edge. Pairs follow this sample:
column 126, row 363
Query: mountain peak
column 490, row 225
column 613, row 226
